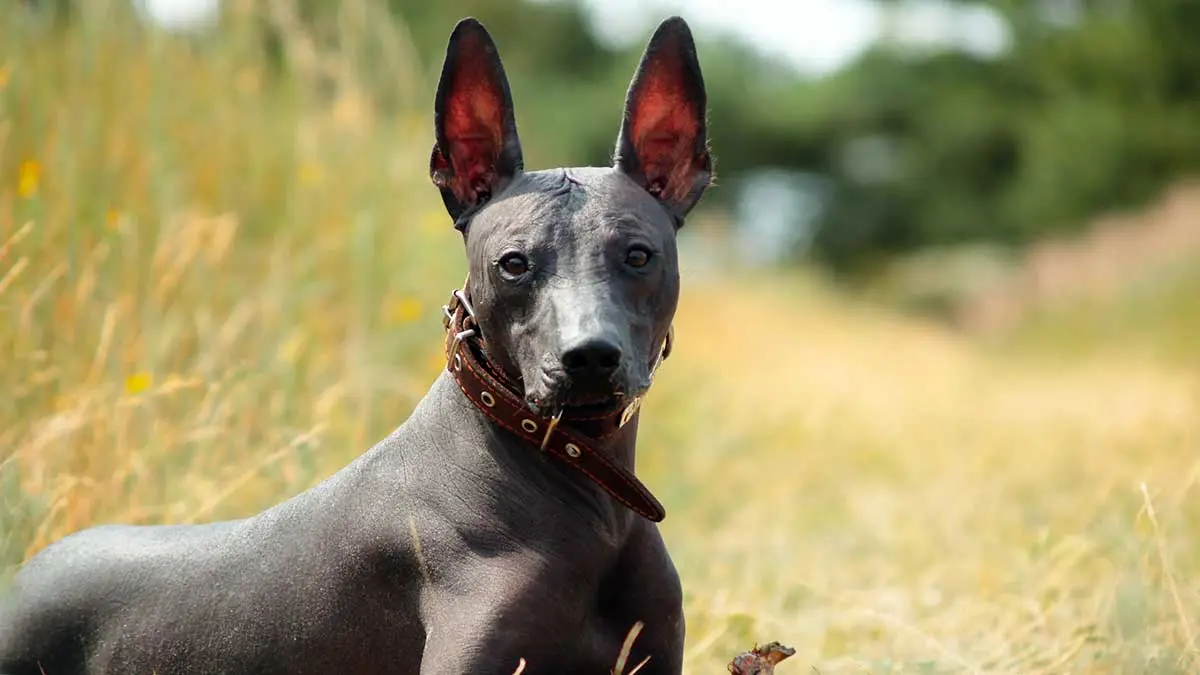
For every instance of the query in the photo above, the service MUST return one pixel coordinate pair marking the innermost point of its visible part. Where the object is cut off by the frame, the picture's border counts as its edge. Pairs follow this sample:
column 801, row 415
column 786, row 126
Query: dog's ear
column 663, row 144
column 477, row 151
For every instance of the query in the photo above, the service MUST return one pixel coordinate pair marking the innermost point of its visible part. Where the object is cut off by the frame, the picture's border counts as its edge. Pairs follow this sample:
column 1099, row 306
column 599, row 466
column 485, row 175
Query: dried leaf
column 760, row 660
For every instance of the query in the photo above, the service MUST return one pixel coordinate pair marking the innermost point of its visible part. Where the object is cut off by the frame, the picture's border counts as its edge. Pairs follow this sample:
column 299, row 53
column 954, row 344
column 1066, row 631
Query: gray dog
column 502, row 521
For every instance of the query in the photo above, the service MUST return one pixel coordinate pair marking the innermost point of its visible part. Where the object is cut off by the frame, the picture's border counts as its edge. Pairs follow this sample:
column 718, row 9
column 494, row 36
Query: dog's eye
column 514, row 264
column 637, row 256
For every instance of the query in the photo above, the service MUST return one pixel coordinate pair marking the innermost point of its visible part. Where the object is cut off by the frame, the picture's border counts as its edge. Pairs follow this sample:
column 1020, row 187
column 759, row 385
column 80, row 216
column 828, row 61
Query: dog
column 502, row 522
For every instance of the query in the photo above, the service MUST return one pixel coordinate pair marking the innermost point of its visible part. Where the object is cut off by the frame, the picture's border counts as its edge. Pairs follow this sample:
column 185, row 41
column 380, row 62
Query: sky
column 179, row 14
column 815, row 36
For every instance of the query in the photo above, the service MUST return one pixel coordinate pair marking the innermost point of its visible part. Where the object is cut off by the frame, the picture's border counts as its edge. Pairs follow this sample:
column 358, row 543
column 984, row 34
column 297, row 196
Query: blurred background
column 967, row 234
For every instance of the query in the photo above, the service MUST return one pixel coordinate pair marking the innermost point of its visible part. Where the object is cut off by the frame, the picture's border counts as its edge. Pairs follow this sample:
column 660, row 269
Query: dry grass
column 880, row 493
column 215, row 292
column 1117, row 252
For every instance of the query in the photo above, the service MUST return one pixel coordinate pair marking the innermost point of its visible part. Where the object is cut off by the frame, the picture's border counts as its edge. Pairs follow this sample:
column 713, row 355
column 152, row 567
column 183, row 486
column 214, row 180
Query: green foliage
column 1071, row 121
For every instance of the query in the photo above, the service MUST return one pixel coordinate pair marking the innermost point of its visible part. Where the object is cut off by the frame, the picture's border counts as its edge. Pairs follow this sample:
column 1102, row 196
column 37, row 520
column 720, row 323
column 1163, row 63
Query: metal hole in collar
column 529, row 425
column 457, row 362
column 487, row 398
column 573, row 450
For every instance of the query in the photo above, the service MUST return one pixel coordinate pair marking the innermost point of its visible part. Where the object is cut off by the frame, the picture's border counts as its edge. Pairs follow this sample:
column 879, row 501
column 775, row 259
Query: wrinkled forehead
column 560, row 206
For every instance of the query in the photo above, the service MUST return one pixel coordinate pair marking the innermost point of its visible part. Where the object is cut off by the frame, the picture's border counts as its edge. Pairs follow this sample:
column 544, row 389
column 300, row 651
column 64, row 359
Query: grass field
column 217, row 289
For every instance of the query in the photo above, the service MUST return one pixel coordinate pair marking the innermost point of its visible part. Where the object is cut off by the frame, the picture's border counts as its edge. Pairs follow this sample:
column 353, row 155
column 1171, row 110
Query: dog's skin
column 452, row 546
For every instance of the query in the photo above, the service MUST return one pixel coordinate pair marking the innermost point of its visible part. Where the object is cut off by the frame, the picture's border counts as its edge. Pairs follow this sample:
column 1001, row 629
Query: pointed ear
column 663, row 145
column 477, row 150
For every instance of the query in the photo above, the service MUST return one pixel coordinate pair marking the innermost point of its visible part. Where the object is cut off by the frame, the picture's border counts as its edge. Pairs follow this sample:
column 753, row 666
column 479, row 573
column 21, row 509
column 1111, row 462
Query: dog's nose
column 594, row 357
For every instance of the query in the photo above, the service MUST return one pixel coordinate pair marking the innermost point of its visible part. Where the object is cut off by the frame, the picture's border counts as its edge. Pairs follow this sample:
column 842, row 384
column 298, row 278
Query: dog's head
column 572, row 272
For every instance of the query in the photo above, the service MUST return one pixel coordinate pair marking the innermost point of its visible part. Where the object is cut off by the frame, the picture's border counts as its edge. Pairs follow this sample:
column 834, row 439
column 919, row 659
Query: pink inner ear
column 473, row 125
column 664, row 127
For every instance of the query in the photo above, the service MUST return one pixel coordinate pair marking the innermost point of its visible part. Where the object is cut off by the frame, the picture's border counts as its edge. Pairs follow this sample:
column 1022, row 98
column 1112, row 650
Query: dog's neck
column 470, row 434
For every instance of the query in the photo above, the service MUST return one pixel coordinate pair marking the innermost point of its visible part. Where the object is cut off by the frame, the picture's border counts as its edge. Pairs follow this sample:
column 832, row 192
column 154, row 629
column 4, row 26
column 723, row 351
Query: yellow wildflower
column 5, row 73
column 406, row 310
column 28, row 177
column 138, row 383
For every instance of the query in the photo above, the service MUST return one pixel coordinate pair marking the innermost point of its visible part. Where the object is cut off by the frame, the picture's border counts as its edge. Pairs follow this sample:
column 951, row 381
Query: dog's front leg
column 489, row 615
column 649, row 591
column 474, row 646
column 489, row 635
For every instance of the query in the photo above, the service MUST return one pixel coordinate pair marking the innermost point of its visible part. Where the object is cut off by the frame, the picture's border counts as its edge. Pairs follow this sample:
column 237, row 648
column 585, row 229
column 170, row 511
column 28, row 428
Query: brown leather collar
column 572, row 439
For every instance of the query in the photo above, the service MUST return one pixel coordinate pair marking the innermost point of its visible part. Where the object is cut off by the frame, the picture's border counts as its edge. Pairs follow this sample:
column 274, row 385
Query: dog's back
column 214, row 598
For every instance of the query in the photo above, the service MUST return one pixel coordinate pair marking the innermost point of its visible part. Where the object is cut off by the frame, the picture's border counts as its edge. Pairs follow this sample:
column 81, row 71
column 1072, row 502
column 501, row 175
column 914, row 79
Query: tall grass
column 219, row 282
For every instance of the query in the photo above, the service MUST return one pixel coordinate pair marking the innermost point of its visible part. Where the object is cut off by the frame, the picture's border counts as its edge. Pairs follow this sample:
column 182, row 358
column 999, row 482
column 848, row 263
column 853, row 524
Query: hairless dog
column 502, row 521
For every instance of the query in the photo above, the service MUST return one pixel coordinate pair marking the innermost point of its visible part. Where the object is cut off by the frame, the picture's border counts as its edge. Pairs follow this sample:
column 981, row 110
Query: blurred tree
column 1093, row 107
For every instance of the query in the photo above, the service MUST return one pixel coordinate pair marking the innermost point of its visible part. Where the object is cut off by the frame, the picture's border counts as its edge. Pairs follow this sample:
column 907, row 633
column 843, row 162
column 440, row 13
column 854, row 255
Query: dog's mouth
column 596, row 404
column 555, row 393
